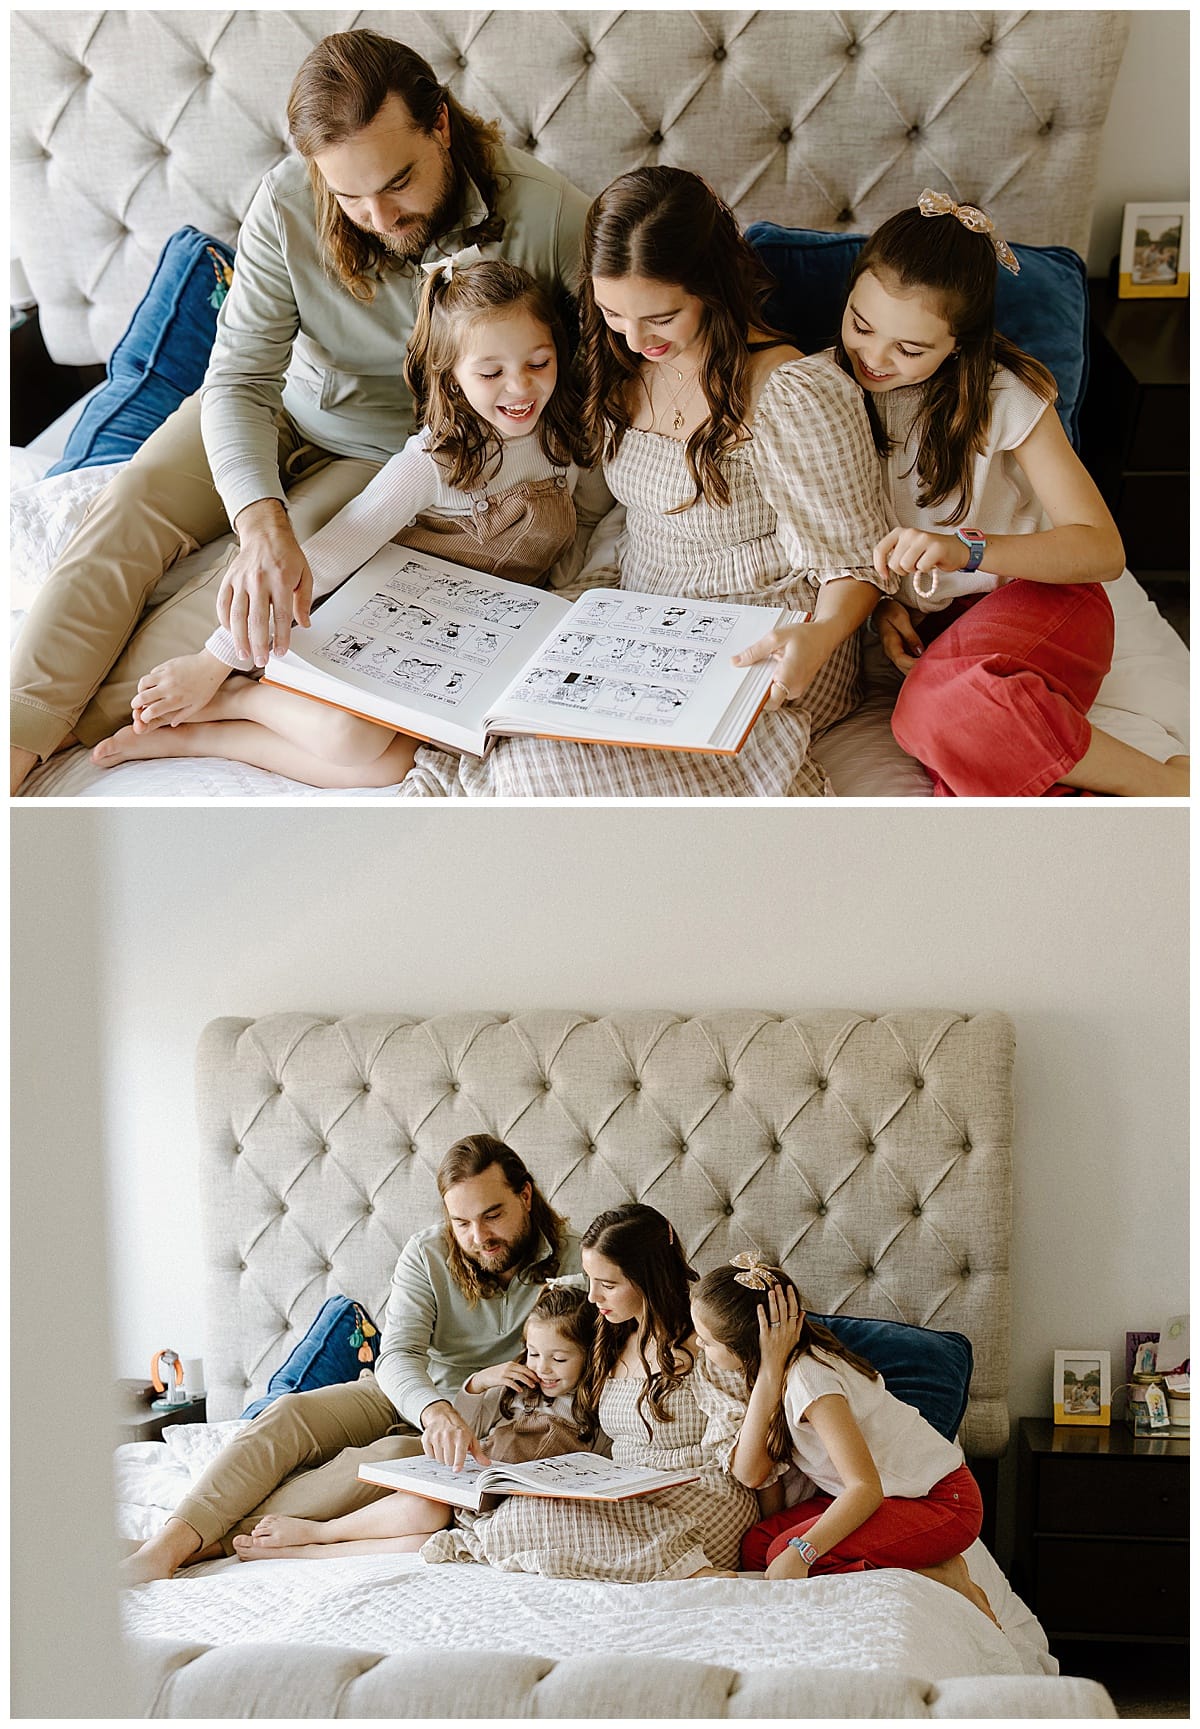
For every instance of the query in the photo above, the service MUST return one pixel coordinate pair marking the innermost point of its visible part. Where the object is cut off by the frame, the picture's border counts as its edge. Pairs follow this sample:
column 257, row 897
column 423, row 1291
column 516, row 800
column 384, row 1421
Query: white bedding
column 886, row 1620
column 1144, row 699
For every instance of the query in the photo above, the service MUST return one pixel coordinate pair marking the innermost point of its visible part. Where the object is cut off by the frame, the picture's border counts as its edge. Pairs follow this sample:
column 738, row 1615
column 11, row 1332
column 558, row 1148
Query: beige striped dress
column 668, row 1535
column 806, row 506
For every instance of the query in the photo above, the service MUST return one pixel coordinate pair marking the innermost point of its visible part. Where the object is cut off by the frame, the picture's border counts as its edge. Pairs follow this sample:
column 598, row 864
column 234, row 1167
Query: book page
column 640, row 668
column 434, row 636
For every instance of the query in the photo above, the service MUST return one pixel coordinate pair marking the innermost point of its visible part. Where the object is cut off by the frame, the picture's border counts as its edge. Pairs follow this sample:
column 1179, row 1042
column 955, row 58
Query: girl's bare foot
column 280, row 1531
column 954, row 1573
column 127, row 745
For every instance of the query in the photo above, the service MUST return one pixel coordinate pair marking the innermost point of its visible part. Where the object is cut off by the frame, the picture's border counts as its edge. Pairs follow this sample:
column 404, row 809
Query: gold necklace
column 678, row 417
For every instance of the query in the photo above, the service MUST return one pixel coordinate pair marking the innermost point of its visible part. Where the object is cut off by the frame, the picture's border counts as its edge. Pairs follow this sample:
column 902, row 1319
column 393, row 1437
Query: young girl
column 488, row 482
column 995, row 507
column 647, row 1387
column 893, row 1492
column 528, row 1409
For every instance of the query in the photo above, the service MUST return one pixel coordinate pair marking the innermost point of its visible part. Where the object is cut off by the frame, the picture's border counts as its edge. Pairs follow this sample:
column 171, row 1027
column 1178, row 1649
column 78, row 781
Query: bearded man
column 460, row 1296
column 305, row 382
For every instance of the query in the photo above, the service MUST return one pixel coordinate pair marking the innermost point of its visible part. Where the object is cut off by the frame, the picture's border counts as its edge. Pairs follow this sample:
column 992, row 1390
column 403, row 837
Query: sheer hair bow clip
column 444, row 268
column 756, row 1275
column 970, row 215
column 567, row 1282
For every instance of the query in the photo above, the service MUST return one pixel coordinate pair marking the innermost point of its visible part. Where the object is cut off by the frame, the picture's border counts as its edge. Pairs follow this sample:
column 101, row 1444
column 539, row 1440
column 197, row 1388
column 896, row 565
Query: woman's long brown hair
column 731, row 1311
column 668, row 225
column 938, row 256
column 339, row 89
column 464, row 445
column 645, row 1247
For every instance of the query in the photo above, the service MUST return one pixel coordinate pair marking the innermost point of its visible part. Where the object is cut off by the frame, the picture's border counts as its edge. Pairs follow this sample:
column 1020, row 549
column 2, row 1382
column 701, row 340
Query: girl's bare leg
column 247, row 741
column 332, row 1551
column 1108, row 766
column 954, row 1573
column 395, row 1515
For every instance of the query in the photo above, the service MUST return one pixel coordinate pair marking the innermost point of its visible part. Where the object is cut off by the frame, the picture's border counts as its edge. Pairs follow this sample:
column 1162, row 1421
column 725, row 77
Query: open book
column 575, row 1476
column 459, row 657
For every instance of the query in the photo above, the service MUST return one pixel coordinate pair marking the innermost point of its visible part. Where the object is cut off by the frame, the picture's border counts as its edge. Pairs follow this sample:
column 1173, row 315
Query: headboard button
column 966, row 1146
column 918, row 1082
column 785, row 137
column 637, row 1086
column 870, row 1147
column 718, row 53
column 729, row 1209
column 822, row 1210
column 729, row 1085
column 589, row 59
column 822, row 1085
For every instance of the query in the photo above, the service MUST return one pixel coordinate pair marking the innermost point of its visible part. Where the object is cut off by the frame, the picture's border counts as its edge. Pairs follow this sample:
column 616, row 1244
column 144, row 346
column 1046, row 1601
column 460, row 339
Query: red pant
column 900, row 1533
column 997, row 704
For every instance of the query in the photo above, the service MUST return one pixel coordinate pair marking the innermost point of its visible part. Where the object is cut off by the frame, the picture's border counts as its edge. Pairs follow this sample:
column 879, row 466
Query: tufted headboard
column 869, row 1154
column 127, row 125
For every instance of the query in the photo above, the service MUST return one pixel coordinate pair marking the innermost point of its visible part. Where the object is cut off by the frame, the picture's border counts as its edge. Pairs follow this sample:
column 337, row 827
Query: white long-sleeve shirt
column 409, row 484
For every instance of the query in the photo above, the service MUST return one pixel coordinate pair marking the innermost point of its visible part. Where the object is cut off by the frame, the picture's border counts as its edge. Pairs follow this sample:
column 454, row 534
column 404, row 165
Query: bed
column 823, row 120
column 868, row 1153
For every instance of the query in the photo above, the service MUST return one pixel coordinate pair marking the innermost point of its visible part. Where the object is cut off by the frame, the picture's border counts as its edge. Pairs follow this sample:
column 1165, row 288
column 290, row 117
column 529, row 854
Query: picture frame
column 1083, row 1388
column 1153, row 264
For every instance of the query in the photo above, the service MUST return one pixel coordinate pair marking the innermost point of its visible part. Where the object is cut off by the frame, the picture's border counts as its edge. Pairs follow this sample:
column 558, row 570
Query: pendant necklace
column 677, row 418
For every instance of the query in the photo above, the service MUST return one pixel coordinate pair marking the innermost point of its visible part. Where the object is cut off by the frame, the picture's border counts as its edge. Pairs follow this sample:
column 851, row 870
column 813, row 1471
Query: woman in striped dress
column 748, row 474
column 648, row 1385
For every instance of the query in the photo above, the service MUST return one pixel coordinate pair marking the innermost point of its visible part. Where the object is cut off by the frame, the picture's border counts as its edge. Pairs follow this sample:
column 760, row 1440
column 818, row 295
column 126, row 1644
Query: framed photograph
column 1083, row 1388
column 1154, row 252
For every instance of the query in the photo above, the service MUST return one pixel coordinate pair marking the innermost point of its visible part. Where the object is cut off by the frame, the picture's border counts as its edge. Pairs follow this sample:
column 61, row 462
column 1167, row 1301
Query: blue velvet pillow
column 929, row 1370
column 1044, row 310
column 324, row 1356
column 162, row 357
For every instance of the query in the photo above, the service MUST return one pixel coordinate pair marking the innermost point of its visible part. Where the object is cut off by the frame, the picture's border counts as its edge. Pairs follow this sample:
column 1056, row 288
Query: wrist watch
column 975, row 543
column 804, row 1549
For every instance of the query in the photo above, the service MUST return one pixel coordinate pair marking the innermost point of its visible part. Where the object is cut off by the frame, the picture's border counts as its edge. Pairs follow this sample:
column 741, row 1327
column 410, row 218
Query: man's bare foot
column 21, row 764
column 954, row 1573
column 177, row 690
column 160, row 1556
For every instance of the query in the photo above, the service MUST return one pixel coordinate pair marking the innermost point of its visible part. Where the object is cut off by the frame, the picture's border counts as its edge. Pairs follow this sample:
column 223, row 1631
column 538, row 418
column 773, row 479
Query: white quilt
column 886, row 1620
column 1144, row 699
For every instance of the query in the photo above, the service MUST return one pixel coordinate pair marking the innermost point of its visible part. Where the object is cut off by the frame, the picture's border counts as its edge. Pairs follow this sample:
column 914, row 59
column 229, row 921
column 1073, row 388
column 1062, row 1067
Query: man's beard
column 419, row 233
column 513, row 1254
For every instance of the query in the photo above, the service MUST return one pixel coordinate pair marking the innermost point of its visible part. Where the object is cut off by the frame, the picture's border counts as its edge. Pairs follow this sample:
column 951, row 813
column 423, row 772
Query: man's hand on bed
column 177, row 690
column 267, row 583
column 897, row 634
column 447, row 1438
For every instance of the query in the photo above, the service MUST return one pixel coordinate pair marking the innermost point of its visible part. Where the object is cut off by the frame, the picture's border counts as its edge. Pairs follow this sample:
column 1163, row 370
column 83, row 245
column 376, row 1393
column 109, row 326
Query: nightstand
column 1102, row 1532
column 137, row 1422
column 1134, row 427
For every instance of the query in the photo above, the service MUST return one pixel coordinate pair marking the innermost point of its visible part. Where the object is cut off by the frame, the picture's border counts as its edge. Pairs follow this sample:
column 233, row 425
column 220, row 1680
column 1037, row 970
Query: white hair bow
column 970, row 215
column 568, row 1282
column 445, row 267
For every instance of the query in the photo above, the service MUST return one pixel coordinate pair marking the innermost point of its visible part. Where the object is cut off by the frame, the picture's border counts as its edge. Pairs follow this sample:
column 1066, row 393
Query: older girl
column 747, row 473
column 891, row 1491
column 1004, row 539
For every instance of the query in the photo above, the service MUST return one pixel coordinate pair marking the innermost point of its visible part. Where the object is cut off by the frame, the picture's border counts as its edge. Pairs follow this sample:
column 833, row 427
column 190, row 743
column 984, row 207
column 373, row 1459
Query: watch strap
column 976, row 545
column 804, row 1549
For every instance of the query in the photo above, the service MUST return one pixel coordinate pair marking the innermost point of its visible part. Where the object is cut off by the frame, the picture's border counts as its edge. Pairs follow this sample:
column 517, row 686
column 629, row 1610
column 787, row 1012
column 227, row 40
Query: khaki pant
column 300, row 1456
column 95, row 629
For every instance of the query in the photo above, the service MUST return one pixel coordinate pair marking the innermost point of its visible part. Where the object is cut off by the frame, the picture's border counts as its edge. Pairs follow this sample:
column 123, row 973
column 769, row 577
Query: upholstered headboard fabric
column 127, row 125
column 868, row 1154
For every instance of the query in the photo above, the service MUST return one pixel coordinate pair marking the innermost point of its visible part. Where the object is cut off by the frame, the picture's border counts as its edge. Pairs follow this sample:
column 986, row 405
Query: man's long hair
column 468, row 1158
column 339, row 90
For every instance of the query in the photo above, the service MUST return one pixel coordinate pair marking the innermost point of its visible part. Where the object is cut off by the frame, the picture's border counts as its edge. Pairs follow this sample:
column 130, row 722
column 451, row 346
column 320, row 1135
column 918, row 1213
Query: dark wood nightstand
column 1102, row 1532
column 1134, row 427
column 137, row 1422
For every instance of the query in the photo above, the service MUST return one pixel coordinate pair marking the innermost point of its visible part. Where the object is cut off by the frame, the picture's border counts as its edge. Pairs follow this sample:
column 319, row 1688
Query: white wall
column 1144, row 152
column 1073, row 919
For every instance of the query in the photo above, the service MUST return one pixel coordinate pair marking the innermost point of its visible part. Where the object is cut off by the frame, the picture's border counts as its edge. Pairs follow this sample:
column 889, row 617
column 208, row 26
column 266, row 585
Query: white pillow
column 43, row 515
